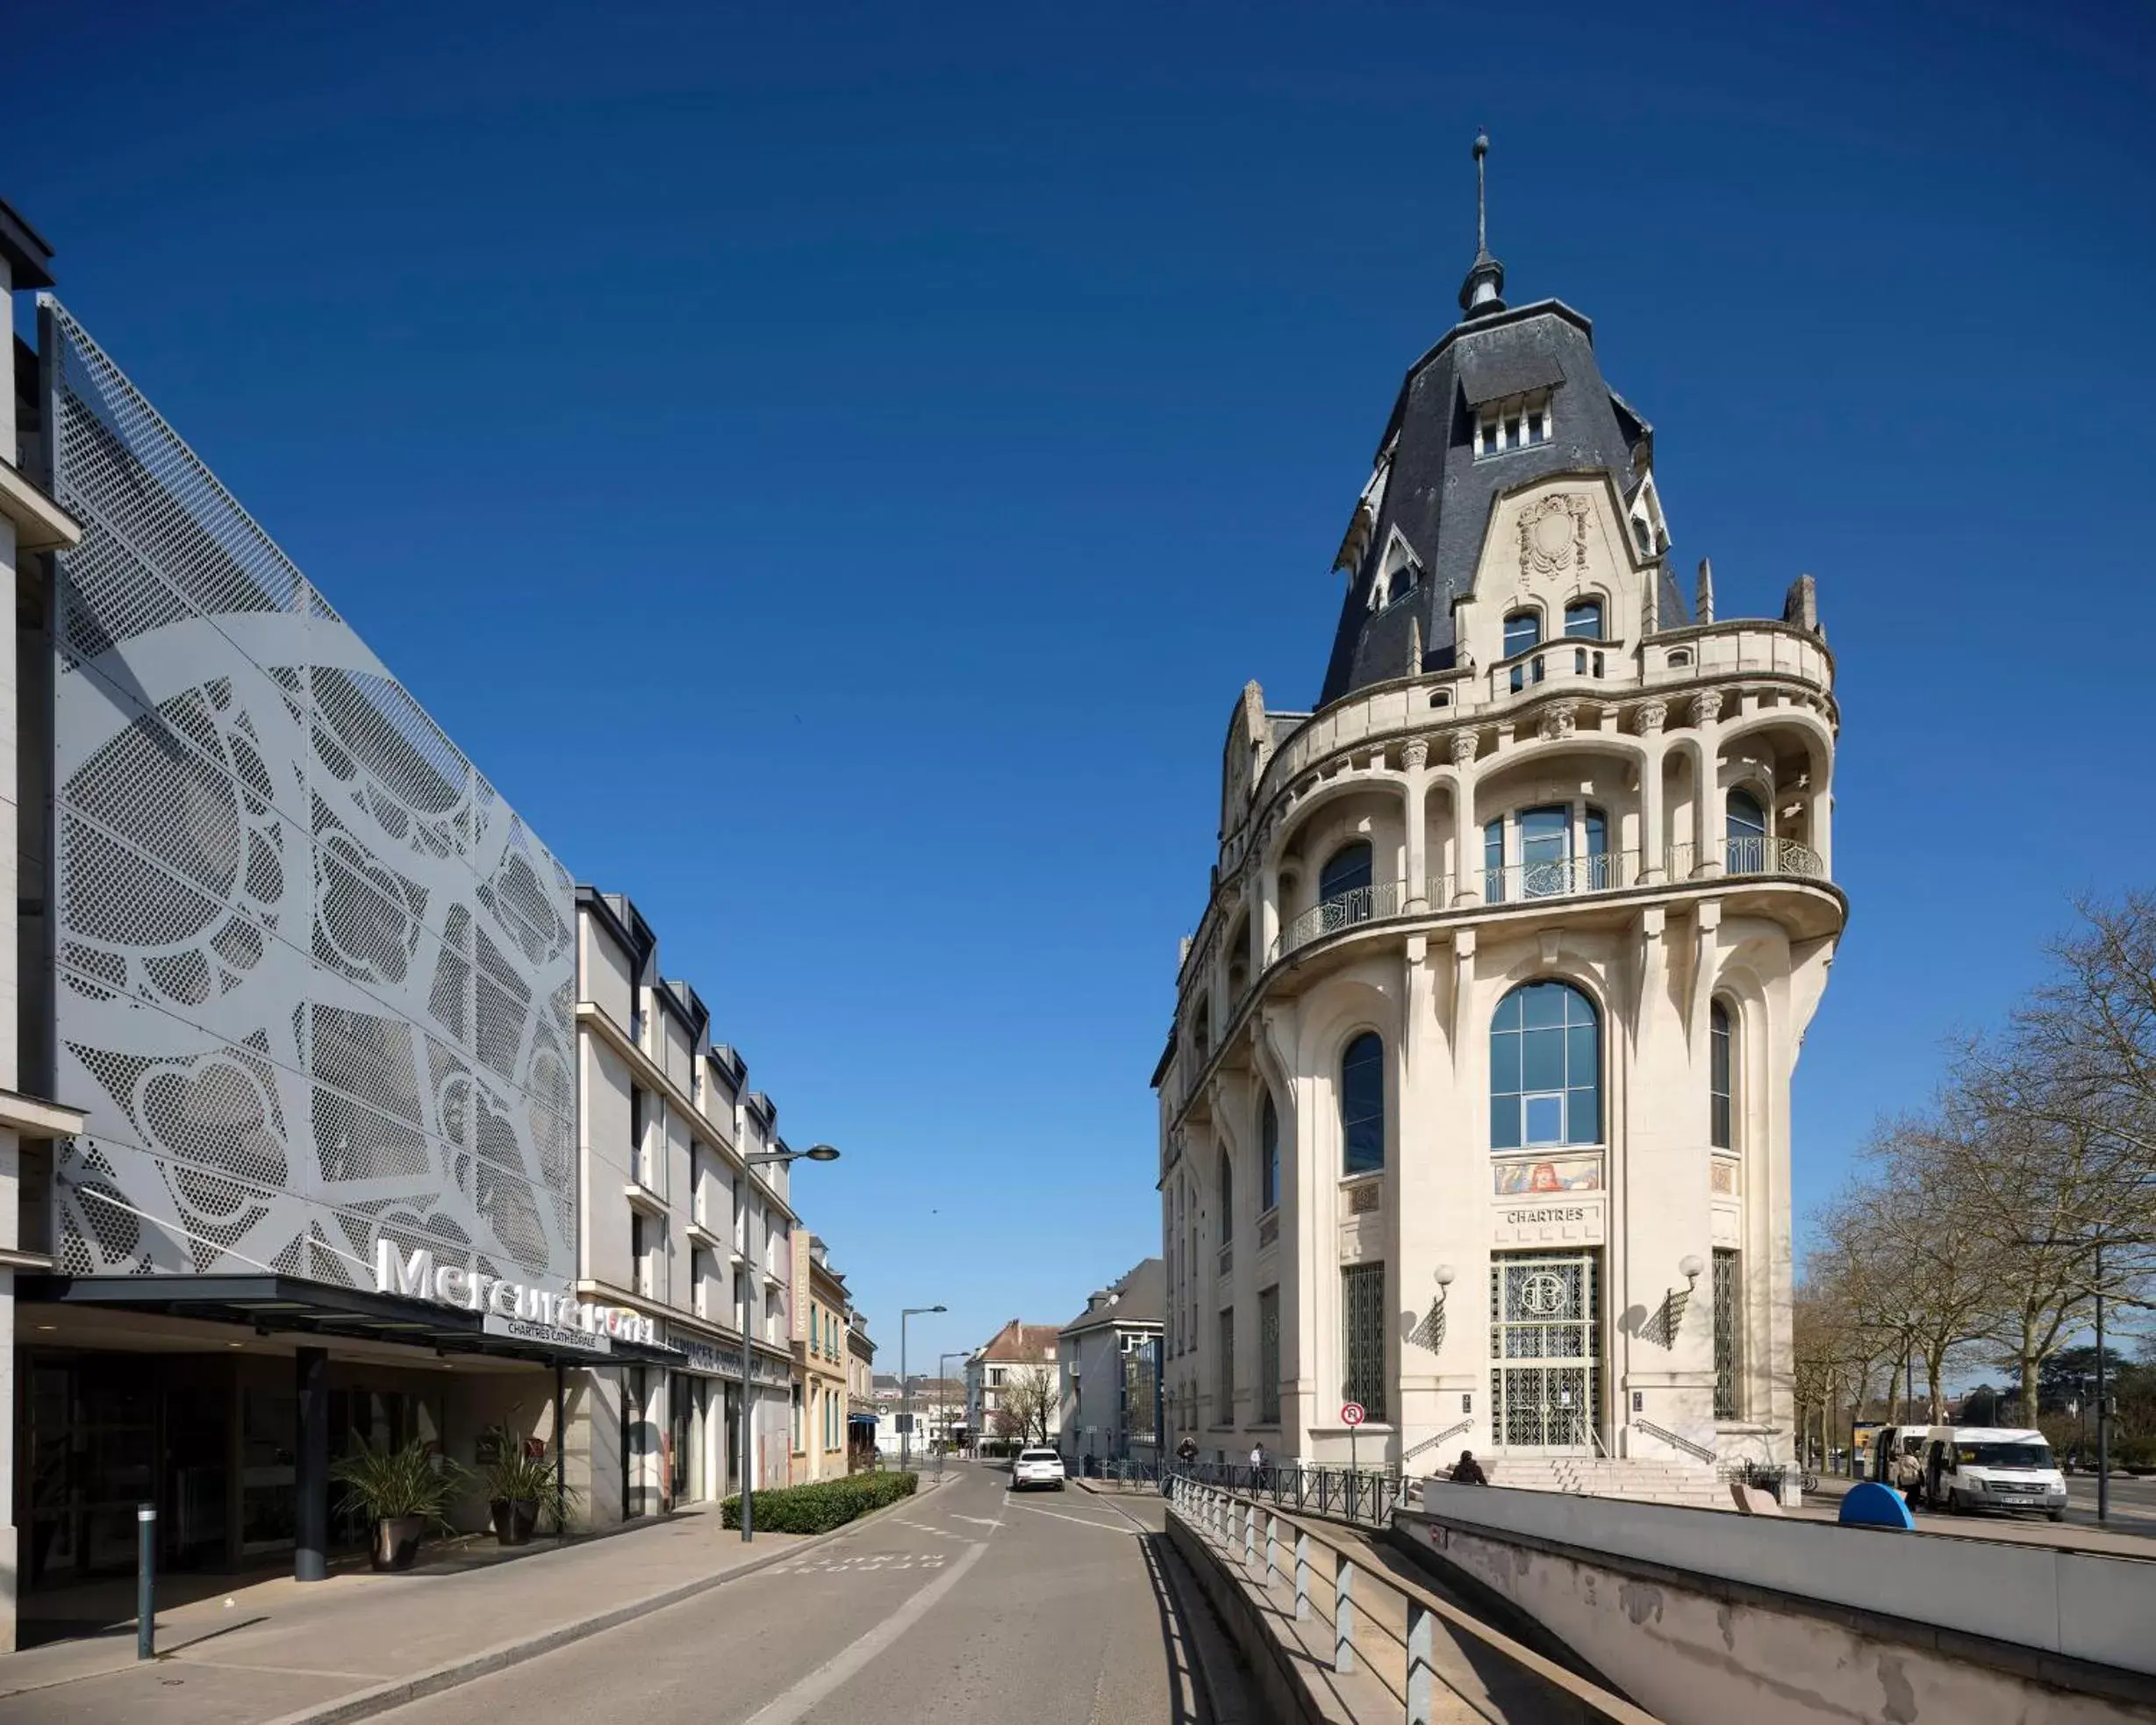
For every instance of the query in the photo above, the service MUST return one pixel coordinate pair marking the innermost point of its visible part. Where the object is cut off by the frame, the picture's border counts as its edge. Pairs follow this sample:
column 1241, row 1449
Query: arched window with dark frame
column 1227, row 1199
column 1523, row 632
column 1546, row 1068
column 1720, row 1113
column 1346, row 871
column 1583, row 619
column 1267, row 1156
column 1747, row 845
column 1362, row 1104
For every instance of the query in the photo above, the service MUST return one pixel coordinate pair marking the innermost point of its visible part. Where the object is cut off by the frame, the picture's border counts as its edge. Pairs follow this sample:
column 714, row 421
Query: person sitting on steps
column 1468, row 1471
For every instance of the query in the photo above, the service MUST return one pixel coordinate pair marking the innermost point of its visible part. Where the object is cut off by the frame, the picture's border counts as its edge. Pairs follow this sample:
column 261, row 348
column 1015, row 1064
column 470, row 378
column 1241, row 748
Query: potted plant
column 519, row 1487
column 402, row 1492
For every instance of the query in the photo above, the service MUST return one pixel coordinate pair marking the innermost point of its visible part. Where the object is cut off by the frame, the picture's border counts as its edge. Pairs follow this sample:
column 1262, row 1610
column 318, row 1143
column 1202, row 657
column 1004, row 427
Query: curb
column 400, row 1691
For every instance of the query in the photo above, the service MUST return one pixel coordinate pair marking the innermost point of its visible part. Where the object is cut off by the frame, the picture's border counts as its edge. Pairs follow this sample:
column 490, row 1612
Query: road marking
column 1105, row 1526
column 861, row 1563
column 799, row 1701
column 983, row 1521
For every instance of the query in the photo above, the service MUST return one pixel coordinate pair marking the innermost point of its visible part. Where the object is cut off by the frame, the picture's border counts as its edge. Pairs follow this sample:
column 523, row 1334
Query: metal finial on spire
column 1484, row 289
column 1482, row 226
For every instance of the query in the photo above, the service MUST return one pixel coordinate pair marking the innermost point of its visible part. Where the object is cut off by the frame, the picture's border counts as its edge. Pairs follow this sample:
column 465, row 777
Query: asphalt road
column 969, row 1605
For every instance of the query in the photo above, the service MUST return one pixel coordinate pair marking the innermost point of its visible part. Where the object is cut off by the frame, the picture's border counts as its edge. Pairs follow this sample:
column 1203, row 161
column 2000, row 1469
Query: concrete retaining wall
column 1702, row 1616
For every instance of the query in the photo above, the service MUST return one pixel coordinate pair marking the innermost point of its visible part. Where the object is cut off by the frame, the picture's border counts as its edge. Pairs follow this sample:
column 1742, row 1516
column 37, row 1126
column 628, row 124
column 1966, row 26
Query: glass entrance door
column 1545, row 1364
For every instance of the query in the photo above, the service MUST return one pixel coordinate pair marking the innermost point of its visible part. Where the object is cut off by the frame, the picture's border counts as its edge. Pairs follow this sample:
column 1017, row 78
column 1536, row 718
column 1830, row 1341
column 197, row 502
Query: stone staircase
column 1691, row 1484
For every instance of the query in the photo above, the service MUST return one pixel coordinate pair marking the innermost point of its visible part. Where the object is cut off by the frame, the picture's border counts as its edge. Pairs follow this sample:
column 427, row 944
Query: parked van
column 1990, row 1467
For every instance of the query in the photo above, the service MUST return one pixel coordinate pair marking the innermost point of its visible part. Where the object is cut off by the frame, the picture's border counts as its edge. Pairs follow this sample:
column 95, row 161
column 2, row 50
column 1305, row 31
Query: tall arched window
column 1362, row 1104
column 1227, row 1199
column 1346, row 871
column 1267, row 1156
column 1583, row 618
column 1747, row 833
column 1718, row 1093
column 1522, row 630
column 1545, row 1069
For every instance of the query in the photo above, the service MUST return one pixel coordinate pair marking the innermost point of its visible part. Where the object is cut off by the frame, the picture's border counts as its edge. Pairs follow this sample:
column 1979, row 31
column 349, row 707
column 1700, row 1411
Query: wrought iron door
column 1545, row 1341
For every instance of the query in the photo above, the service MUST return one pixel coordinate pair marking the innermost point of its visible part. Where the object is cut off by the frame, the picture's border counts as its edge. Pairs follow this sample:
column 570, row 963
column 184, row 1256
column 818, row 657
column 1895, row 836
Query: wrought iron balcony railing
column 1751, row 854
column 1564, row 878
column 1364, row 904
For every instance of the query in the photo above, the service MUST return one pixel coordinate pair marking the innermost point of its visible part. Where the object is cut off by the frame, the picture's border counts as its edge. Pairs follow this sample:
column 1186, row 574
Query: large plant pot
column 396, row 1542
column 514, row 1519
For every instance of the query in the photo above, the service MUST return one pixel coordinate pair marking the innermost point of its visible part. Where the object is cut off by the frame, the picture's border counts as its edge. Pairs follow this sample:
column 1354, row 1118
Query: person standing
column 1257, row 1467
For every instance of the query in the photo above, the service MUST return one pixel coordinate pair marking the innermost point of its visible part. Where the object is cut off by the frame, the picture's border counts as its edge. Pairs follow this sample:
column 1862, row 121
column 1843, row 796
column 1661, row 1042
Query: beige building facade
column 822, row 1334
column 1476, row 1111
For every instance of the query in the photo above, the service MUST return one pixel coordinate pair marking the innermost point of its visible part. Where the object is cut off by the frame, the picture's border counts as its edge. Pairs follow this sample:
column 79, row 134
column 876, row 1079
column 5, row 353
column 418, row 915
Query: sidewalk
column 2130, row 1536
column 360, row 1643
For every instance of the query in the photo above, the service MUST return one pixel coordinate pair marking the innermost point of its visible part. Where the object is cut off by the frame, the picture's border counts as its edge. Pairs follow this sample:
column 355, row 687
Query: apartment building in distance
column 820, row 1331
column 1475, row 1110
column 1012, row 1377
column 1108, row 1358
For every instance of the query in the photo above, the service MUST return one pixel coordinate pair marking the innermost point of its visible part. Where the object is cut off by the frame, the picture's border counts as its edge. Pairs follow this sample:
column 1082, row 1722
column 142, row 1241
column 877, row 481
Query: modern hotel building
column 378, row 1127
column 1475, row 1114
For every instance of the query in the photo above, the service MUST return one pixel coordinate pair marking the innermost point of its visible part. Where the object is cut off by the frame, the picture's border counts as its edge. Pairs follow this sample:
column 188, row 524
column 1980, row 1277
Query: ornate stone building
column 1476, row 1110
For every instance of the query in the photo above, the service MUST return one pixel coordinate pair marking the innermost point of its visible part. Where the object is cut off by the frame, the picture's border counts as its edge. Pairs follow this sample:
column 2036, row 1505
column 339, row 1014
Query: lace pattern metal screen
column 1729, row 1336
column 1362, row 1309
column 1545, row 1378
column 316, row 980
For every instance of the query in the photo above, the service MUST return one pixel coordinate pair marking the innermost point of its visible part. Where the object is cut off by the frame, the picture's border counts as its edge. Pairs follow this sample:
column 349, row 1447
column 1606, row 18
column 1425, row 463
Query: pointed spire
column 1703, row 609
column 1484, row 289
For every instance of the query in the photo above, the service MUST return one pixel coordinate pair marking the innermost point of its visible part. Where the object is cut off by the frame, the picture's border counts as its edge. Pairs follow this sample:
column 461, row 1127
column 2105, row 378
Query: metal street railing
column 1323, row 1592
column 1363, row 1495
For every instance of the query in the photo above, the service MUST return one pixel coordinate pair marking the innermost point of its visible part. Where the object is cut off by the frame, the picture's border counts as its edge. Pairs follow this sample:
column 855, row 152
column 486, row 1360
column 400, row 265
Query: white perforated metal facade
column 316, row 980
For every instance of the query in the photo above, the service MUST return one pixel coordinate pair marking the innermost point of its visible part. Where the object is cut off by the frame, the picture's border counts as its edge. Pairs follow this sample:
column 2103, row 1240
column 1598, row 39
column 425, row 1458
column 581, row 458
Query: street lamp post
column 814, row 1153
column 906, row 1388
column 943, row 1400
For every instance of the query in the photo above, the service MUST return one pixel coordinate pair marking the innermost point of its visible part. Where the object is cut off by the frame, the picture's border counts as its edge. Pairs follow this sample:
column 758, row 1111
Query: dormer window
column 1398, row 576
column 1401, row 583
column 1517, row 422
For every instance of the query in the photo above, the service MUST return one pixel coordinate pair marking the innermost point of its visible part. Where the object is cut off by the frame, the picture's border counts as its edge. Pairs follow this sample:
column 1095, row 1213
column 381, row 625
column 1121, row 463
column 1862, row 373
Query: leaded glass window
column 1269, row 1357
column 1362, row 1106
column 1362, row 1307
column 1719, row 1122
column 1546, row 1068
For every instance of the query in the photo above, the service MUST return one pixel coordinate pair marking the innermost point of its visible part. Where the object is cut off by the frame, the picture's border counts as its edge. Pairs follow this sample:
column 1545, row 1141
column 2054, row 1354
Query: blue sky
column 834, row 468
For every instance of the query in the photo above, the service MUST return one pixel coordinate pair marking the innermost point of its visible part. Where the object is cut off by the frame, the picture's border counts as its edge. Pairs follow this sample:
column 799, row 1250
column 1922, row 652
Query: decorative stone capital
column 1653, row 715
column 1465, row 746
column 1416, row 755
column 1706, row 708
column 1557, row 722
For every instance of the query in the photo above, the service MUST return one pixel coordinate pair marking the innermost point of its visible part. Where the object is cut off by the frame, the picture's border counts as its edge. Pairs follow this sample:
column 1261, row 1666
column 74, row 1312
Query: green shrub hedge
column 826, row 1505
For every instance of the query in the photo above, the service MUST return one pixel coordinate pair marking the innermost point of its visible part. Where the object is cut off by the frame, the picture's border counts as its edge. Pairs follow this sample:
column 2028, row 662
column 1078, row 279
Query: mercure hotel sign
column 510, row 1308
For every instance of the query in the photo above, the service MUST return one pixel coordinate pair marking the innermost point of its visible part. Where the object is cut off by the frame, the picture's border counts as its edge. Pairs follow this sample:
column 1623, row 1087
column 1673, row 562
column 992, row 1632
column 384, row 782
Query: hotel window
column 1718, row 1120
column 1345, row 871
column 1583, row 619
column 1747, row 833
column 1267, row 1156
column 1361, row 1313
column 1559, row 848
column 795, row 1427
column 1518, row 422
column 1269, row 1357
column 1522, row 635
column 639, row 1264
column 1362, row 1106
column 1228, row 1200
column 1546, row 1068
column 1729, row 1337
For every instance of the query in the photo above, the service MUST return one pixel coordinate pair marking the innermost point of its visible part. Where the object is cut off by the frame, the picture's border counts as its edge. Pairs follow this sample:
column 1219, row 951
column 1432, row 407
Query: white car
column 1037, row 1467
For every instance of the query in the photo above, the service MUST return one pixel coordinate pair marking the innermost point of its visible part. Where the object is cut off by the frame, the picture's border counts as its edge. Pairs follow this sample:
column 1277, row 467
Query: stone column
column 1711, row 818
column 1265, row 926
column 1466, row 874
column 1416, row 798
column 310, row 1470
column 1653, row 853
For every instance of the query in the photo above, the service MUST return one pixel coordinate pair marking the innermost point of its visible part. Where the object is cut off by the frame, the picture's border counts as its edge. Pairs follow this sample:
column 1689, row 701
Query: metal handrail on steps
column 1671, row 1438
column 1230, row 1527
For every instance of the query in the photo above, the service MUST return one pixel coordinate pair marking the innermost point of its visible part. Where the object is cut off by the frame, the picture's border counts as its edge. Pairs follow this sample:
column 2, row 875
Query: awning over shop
column 326, row 1312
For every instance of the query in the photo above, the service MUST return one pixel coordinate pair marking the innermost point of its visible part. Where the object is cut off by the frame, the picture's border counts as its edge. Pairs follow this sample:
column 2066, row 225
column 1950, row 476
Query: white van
column 1990, row 1467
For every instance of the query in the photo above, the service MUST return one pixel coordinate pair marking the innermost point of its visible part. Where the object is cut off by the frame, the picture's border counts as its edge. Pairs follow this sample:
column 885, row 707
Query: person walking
column 1257, row 1467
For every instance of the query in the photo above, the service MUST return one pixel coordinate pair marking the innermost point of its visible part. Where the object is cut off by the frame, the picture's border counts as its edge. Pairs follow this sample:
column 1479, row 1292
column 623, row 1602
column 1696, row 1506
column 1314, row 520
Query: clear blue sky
column 832, row 468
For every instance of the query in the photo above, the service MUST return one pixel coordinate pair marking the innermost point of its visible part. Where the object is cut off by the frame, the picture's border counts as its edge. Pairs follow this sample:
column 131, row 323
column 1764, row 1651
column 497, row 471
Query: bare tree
column 1029, row 1398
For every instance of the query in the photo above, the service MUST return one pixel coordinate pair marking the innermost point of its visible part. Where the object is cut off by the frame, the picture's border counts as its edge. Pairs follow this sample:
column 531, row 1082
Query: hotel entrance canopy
column 322, row 1312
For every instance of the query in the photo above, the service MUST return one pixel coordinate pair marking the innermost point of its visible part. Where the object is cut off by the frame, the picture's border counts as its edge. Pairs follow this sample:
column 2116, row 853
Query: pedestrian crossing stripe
column 863, row 1564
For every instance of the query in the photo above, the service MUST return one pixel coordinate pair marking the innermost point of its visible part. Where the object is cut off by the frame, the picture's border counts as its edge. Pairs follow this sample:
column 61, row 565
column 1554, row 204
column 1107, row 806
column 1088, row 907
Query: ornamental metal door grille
column 1362, row 1303
column 1545, row 1369
column 1269, row 1356
column 1729, row 1336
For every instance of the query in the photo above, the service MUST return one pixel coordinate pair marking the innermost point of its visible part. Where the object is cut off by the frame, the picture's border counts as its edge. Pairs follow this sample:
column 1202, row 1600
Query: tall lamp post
column 942, row 1398
column 813, row 1152
column 906, row 1388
